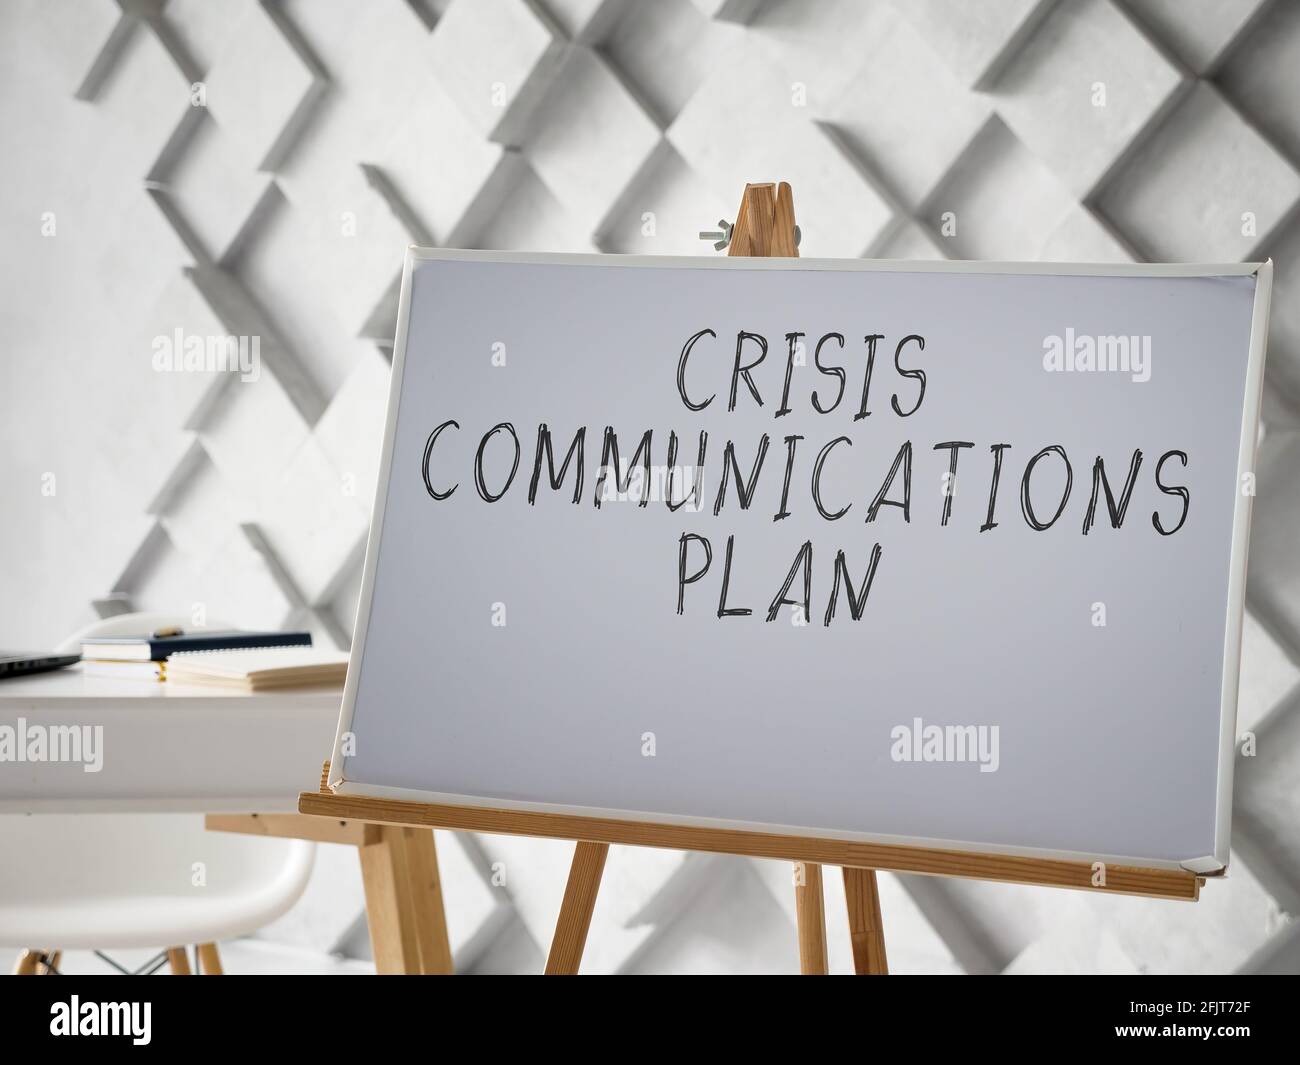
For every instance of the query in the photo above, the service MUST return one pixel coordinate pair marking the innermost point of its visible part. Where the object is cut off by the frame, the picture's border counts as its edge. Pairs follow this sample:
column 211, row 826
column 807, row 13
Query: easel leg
column 426, row 902
column 399, row 868
column 393, row 937
column 575, row 910
column 865, row 928
column 810, row 912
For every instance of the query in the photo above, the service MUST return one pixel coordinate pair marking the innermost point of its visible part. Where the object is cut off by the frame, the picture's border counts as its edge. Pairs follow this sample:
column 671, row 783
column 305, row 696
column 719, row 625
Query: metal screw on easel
column 721, row 236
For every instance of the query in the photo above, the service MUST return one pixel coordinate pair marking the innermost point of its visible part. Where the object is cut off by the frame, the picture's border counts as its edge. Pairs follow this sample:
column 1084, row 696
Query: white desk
column 169, row 748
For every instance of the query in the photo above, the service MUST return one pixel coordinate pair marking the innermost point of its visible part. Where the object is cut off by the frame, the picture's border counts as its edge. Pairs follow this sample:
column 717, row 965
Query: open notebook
column 257, row 670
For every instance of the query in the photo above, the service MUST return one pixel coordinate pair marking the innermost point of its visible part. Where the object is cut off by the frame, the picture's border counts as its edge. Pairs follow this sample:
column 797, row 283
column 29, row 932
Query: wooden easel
column 399, row 873
column 765, row 226
column 859, row 860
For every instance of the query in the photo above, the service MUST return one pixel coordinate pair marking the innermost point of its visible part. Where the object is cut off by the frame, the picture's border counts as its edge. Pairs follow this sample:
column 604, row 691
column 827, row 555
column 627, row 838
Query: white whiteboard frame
column 1246, row 454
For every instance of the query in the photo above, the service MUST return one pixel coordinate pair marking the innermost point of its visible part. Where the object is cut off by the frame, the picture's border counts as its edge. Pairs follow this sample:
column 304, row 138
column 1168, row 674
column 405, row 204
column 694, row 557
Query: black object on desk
column 157, row 646
column 16, row 665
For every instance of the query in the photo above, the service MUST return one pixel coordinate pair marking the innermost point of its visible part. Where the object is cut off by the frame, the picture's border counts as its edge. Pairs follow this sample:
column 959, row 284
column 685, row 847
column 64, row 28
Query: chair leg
column 179, row 961
column 48, row 962
column 26, row 963
column 209, row 959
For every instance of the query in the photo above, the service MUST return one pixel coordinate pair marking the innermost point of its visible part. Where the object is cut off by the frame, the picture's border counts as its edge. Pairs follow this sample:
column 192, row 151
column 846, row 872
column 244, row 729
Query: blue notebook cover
column 156, row 648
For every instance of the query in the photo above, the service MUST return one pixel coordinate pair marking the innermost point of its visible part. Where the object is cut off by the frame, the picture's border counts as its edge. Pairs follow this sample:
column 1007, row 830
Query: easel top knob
column 764, row 226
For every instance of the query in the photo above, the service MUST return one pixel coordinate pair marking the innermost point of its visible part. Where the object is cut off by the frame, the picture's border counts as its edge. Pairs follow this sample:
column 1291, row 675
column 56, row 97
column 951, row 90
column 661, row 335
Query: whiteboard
column 1003, row 683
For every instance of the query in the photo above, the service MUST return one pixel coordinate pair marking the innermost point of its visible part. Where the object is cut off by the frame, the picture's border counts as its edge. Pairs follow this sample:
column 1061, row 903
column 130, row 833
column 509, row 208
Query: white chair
column 115, row 881
column 123, row 881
